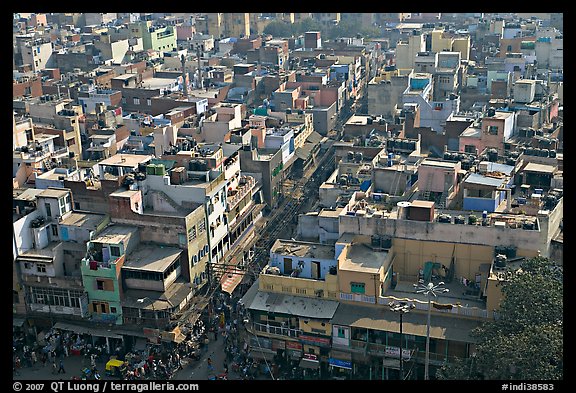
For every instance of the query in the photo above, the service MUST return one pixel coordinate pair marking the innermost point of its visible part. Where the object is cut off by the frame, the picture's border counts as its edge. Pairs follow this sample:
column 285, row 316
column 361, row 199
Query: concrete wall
column 526, row 241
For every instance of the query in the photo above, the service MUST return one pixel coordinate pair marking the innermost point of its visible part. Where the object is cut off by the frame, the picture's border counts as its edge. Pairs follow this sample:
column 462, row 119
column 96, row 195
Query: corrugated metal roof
column 475, row 178
column 314, row 137
column 293, row 305
column 497, row 167
column 303, row 152
column 381, row 318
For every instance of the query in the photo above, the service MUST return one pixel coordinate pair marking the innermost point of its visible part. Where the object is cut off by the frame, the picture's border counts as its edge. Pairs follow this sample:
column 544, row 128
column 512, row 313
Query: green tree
column 279, row 28
column 526, row 341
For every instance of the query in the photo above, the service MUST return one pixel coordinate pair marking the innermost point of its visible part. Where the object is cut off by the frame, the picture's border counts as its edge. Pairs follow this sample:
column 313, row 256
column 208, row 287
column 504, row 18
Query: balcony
column 55, row 310
column 276, row 330
column 246, row 185
column 357, row 297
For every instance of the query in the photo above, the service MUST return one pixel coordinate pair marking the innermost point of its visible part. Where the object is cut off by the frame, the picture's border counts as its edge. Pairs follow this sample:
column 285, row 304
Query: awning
column 257, row 353
column 17, row 322
column 231, row 281
column 441, row 327
column 179, row 338
column 304, row 151
column 86, row 330
column 307, row 363
column 140, row 344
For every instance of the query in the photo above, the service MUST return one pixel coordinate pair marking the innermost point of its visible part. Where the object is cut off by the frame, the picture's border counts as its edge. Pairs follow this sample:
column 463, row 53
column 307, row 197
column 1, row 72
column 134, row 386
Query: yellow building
column 365, row 274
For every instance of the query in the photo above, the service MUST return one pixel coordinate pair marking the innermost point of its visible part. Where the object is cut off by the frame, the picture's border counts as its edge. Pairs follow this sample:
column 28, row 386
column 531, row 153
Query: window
column 54, row 230
column 493, row 130
column 48, row 209
column 100, row 285
column 27, row 265
column 61, row 201
column 341, row 332
column 148, row 102
column 113, row 310
column 470, row 149
column 191, row 234
column 181, row 239
column 41, row 268
column 115, row 251
column 357, row 287
column 201, row 226
column 68, row 198
column 103, row 308
column 136, row 101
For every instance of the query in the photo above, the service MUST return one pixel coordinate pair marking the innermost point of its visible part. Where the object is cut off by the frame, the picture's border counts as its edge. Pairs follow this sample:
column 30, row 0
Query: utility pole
column 184, row 84
column 199, row 65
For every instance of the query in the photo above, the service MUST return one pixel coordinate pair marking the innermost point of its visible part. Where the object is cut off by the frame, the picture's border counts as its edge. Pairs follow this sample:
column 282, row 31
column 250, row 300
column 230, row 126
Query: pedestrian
column 34, row 358
column 44, row 359
column 54, row 367
column 225, row 367
column 61, row 367
column 210, row 367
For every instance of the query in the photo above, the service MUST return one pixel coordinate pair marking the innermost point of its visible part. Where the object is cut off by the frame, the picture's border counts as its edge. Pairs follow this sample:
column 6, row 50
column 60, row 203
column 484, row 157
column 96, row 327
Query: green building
column 101, row 272
column 159, row 38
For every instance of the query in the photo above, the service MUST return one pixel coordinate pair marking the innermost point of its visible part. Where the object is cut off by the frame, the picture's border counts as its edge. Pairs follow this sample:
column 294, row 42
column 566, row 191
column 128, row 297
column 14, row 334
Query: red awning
column 230, row 281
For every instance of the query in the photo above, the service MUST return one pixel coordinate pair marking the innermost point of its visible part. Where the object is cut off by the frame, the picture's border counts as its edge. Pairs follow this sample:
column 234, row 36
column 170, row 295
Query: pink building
column 495, row 129
column 438, row 179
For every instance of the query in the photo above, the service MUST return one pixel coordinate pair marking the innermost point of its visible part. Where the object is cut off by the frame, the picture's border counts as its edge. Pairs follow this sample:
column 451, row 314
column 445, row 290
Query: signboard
column 260, row 342
column 395, row 352
column 278, row 344
column 340, row 363
column 311, row 340
column 293, row 345
column 310, row 356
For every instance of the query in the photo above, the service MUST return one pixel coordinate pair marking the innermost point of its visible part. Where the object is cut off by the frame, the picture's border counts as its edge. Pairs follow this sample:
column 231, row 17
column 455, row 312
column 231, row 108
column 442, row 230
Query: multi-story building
column 101, row 271
column 433, row 114
column 494, row 130
column 158, row 38
column 406, row 51
column 48, row 245
column 37, row 53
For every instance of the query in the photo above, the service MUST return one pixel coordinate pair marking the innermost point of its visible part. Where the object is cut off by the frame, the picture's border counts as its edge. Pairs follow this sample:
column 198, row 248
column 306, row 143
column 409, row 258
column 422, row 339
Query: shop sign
column 310, row 356
column 293, row 345
column 395, row 352
column 311, row 340
column 340, row 363
column 278, row 344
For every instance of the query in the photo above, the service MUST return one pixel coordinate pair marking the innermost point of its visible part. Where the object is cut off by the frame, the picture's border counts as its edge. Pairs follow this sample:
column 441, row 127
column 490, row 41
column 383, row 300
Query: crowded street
column 215, row 348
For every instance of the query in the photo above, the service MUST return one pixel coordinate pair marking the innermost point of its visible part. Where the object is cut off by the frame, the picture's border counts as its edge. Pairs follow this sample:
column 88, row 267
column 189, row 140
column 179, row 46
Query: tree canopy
column 526, row 341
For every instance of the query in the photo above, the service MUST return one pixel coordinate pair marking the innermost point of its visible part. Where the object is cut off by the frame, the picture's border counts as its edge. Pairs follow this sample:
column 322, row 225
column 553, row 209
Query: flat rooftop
column 129, row 160
column 115, row 234
column 82, row 219
column 53, row 175
column 53, row 193
column 443, row 164
column 303, row 249
column 29, row 194
column 472, row 132
column 542, row 168
column 361, row 257
column 152, row 258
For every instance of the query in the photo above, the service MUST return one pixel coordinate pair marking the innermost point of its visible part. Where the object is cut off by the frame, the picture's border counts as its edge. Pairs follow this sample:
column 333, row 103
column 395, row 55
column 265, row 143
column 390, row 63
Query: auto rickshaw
column 113, row 368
